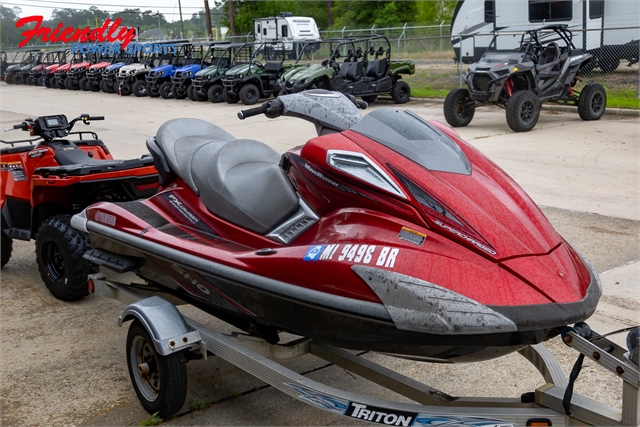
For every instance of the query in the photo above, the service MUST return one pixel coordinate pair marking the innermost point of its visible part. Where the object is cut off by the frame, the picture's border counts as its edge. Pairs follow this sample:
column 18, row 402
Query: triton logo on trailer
column 380, row 415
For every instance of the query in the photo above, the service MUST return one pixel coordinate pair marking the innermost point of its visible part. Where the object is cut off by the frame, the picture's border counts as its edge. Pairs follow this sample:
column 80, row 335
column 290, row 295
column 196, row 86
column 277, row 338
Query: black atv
column 518, row 74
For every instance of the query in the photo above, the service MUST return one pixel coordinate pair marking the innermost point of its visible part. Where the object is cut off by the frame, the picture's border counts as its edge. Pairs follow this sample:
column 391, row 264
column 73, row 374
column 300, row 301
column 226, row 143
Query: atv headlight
column 241, row 76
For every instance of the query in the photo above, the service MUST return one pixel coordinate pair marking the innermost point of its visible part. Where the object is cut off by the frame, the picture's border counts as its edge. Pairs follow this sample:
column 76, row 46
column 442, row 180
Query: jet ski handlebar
column 275, row 108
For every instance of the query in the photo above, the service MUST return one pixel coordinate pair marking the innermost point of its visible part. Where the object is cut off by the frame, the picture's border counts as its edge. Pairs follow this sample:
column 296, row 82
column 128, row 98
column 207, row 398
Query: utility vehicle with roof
column 523, row 67
column 367, row 71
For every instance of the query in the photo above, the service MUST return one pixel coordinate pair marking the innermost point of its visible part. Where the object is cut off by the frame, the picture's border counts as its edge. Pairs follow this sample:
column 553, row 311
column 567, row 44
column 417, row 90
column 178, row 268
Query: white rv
column 474, row 20
column 293, row 31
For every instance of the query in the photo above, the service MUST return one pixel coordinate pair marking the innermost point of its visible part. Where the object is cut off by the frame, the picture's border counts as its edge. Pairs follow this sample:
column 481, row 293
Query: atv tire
column 17, row 80
column 369, row 98
column 592, row 102
column 249, row 94
column 8, row 80
column 400, row 92
column 163, row 388
column 5, row 249
column 191, row 93
column 59, row 251
column 30, row 81
column 139, row 88
column 229, row 97
column 84, row 83
column 40, row 81
column 94, row 87
column 177, row 93
column 454, row 113
column 166, row 90
column 523, row 111
column 214, row 94
column 152, row 91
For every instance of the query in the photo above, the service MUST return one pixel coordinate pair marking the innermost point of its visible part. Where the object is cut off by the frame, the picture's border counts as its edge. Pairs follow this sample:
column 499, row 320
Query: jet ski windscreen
column 411, row 136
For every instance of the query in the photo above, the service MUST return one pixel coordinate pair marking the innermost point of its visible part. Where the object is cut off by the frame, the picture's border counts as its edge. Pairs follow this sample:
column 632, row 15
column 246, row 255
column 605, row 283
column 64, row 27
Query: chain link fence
column 439, row 68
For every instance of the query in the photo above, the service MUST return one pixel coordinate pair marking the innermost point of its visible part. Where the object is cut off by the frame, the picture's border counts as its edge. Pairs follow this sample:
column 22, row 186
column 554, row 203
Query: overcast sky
column 167, row 7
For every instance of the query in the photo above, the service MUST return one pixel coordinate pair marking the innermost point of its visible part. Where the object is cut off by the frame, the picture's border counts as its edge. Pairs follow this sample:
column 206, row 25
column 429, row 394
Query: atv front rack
column 259, row 358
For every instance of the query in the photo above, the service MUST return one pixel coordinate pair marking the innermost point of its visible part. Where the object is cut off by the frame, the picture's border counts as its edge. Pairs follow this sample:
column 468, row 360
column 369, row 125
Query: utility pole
column 329, row 13
column 207, row 13
column 181, row 21
column 232, row 18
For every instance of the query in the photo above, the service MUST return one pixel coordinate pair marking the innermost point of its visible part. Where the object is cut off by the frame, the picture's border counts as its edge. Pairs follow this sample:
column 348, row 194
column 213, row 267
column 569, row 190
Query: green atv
column 367, row 70
column 248, row 82
column 207, row 83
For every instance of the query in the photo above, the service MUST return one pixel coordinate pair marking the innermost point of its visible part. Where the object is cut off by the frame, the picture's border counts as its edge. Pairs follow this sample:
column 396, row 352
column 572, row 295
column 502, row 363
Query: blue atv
column 201, row 56
column 158, row 81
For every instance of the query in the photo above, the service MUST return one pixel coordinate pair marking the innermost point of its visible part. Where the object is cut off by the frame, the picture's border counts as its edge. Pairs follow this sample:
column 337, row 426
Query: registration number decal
column 382, row 256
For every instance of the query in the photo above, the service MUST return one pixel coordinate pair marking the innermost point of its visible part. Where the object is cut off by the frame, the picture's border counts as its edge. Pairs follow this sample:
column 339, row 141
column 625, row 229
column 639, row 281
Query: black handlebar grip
column 243, row 114
column 20, row 126
column 96, row 118
column 362, row 105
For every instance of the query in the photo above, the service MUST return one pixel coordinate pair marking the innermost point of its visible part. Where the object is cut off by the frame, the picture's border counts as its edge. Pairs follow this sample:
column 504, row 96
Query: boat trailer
column 553, row 404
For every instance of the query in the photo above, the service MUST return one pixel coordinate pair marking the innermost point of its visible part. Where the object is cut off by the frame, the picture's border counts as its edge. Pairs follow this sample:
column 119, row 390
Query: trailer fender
column 165, row 324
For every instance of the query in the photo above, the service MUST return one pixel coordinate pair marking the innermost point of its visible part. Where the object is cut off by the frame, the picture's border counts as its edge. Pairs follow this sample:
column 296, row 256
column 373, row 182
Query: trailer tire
column 592, row 102
column 59, row 251
column 139, row 88
column 164, row 388
column 229, row 98
column 400, row 92
column 215, row 93
column 523, row 111
column 5, row 249
column 452, row 108
column 249, row 94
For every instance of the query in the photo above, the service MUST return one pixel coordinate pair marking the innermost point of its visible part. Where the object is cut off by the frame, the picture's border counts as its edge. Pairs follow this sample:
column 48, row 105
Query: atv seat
column 377, row 69
column 273, row 67
column 549, row 55
column 239, row 180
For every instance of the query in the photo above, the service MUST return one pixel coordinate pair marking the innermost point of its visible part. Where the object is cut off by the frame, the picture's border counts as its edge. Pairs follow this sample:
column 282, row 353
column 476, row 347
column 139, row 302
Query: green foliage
column 197, row 405
column 154, row 420
column 362, row 13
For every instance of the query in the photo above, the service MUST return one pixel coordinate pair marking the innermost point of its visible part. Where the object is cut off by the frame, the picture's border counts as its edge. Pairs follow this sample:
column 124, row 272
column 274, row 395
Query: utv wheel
column 400, row 93
column 6, row 249
column 59, row 250
column 166, row 90
column 40, row 81
column 196, row 96
column 249, row 94
column 8, row 80
column 152, row 91
column 84, row 83
column 125, row 89
column 229, row 97
column 369, row 98
column 139, row 88
column 17, row 80
column 159, row 381
column 191, row 93
column 178, row 93
column 215, row 93
column 30, row 81
column 94, row 87
column 454, row 108
column 103, row 86
column 592, row 102
column 523, row 111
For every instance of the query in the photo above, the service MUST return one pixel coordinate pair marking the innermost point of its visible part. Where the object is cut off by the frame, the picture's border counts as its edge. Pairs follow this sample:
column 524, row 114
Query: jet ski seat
column 239, row 180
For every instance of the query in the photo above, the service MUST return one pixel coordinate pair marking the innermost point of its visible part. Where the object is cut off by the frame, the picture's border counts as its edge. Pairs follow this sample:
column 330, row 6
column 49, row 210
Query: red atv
column 47, row 179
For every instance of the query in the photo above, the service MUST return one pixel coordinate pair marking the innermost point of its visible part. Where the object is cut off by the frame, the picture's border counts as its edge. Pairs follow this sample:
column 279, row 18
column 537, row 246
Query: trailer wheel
column 229, row 98
column 454, row 111
column 59, row 250
column 369, row 98
column 592, row 102
column 400, row 92
column 5, row 249
column 139, row 88
column 249, row 94
column 159, row 381
column 215, row 93
column 523, row 111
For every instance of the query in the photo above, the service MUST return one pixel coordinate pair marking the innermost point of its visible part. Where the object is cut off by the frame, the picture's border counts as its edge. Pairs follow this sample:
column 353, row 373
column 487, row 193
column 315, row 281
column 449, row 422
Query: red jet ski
column 387, row 232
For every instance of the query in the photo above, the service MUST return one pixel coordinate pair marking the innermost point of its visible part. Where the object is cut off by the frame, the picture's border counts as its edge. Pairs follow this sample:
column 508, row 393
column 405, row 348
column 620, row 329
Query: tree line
column 237, row 15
